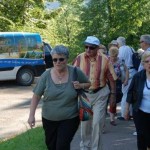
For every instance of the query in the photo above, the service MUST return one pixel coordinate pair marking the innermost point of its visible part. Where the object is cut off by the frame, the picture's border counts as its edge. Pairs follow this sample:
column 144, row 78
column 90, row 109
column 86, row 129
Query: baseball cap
column 92, row 40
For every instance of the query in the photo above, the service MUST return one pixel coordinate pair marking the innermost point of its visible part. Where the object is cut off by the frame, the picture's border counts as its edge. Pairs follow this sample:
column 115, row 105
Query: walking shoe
column 120, row 118
column 135, row 133
column 113, row 123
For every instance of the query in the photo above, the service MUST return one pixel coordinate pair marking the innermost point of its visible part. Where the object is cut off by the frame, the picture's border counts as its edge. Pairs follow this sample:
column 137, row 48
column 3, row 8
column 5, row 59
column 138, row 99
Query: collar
column 148, row 49
column 87, row 57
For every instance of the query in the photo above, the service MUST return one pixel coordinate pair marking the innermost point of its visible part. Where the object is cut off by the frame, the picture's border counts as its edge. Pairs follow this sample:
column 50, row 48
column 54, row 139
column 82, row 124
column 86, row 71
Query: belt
column 94, row 91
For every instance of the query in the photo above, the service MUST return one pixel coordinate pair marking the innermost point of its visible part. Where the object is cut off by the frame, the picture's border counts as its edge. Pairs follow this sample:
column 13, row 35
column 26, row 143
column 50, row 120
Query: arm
column 34, row 102
column 126, row 115
column 82, row 80
column 112, row 91
column 112, row 83
column 78, row 85
column 112, row 80
column 126, row 75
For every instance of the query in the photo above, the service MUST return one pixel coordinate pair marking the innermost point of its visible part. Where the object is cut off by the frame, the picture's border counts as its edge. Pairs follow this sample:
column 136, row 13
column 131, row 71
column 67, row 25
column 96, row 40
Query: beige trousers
column 91, row 131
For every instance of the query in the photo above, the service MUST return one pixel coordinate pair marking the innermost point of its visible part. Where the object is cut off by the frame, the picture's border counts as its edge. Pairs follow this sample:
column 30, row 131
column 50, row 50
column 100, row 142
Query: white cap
column 92, row 40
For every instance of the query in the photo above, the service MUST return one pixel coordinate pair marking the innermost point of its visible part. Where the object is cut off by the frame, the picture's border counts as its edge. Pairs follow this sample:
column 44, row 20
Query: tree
column 108, row 19
column 16, row 12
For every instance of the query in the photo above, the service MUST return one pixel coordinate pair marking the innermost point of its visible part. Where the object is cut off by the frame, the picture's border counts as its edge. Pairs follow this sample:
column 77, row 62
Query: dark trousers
column 59, row 134
column 142, row 124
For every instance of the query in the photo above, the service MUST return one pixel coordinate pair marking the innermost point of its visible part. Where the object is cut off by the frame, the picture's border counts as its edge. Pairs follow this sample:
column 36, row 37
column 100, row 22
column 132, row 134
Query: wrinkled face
column 59, row 61
column 91, row 50
column 146, row 64
column 143, row 44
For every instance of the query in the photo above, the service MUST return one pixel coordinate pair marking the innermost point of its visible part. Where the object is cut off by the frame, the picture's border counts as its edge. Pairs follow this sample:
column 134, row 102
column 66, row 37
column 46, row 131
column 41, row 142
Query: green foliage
column 110, row 19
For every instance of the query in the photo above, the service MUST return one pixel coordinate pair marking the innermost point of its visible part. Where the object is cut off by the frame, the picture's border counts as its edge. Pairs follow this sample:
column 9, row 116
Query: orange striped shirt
column 98, row 71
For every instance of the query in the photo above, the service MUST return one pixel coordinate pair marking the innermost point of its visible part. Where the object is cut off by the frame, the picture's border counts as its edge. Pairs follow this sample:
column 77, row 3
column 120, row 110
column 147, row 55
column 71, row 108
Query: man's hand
column 112, row 99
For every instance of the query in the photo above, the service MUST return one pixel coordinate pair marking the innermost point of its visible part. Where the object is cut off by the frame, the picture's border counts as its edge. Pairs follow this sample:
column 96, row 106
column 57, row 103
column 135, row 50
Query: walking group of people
column 99, row 75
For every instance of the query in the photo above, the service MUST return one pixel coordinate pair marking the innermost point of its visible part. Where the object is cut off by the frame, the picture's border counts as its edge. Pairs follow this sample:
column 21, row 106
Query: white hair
column 121, row 41
column 145, row 38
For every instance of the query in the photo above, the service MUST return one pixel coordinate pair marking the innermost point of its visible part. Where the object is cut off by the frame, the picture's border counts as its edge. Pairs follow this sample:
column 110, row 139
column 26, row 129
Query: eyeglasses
column 90, row 47
column 58, row 59
column 141, row 41
column 146, row 61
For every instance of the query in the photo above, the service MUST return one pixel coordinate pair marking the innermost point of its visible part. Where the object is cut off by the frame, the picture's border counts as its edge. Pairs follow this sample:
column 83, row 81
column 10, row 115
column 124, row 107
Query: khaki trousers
column 91, row 131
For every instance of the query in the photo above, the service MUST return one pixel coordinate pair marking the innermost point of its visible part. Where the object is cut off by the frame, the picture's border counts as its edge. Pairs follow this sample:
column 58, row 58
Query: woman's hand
column 126, row 115
column 77, row 85
column 31, row 121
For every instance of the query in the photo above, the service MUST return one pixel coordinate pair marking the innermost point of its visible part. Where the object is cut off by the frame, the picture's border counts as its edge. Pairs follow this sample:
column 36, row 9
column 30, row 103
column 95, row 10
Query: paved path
column 115, row 138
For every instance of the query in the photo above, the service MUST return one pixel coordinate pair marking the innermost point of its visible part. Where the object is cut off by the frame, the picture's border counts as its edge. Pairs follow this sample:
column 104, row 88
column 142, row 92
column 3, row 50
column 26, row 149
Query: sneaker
column 135, row 133
column 120, row 118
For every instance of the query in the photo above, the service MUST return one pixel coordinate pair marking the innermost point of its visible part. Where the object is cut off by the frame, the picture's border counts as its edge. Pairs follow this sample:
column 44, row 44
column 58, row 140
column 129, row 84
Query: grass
column 30, row 140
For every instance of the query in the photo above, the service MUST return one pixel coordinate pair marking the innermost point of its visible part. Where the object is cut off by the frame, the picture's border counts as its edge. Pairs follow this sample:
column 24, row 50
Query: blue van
column 21, row 57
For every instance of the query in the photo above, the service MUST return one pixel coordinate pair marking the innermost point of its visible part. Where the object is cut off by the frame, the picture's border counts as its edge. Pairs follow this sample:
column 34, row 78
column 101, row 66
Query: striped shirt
column 98, row 71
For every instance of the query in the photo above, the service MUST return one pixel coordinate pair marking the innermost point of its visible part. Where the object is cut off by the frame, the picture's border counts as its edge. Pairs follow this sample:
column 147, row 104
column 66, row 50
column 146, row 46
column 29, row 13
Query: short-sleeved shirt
column 98, row 71
column 59, row 100
column 125, row 53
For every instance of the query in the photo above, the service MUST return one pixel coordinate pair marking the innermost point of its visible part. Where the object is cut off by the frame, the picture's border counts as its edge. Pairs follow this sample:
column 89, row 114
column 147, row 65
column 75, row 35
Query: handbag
column 84, row 105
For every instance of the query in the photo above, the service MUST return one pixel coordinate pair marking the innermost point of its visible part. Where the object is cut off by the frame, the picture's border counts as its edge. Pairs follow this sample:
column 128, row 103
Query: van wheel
column 25, row 77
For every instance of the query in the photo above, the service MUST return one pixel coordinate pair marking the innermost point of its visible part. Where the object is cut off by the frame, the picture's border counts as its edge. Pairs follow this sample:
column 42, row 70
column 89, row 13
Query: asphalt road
column 14, row 110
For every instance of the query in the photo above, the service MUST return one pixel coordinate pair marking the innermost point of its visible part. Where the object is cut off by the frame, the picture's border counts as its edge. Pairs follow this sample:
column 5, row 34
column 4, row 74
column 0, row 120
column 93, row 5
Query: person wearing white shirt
column 125, row 53
column 139, row 96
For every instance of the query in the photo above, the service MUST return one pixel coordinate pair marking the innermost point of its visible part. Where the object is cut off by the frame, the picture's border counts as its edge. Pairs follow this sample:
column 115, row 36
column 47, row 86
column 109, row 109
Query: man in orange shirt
column 97, row 67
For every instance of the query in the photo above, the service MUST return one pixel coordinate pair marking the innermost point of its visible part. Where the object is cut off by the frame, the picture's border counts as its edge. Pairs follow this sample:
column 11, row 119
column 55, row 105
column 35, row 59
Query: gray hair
column 60, row 50
column 121, row 41
column 145, row 38
column 145, row 55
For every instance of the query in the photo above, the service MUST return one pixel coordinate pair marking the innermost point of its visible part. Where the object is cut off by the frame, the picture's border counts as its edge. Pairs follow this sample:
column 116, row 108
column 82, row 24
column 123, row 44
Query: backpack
column 136, row 59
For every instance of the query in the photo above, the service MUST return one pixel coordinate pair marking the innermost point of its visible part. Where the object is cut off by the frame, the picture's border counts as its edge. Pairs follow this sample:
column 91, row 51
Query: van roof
column 18, row 33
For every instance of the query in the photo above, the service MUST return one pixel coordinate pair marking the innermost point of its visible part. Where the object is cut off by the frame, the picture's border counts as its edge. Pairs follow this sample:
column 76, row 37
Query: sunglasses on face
column 58, row 59
column 90, row 47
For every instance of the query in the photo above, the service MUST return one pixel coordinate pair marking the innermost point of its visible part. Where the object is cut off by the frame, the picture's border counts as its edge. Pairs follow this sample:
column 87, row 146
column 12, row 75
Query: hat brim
column 90, row 44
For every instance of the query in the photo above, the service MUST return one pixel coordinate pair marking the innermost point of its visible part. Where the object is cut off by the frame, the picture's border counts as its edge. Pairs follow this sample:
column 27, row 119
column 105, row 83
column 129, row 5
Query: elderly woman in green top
column 60, row 108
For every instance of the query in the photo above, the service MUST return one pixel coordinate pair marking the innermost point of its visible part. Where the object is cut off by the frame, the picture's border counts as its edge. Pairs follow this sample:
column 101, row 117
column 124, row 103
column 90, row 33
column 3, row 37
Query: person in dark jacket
column 139, row 96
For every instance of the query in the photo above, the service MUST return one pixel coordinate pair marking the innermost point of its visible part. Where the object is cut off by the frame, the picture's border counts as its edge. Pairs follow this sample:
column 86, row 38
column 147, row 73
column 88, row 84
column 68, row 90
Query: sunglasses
column 58, row 59
column 90, row 47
